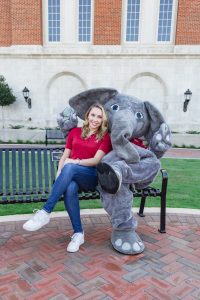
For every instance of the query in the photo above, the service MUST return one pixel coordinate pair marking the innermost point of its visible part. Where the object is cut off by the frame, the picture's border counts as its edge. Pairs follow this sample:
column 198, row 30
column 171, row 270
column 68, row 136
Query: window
column 84, row 21
column 133, row 17
column 54, row 20
column 165, row 21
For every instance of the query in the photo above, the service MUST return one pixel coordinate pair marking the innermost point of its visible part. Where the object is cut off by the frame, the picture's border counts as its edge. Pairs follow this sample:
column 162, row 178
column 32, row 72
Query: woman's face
column 95, row 118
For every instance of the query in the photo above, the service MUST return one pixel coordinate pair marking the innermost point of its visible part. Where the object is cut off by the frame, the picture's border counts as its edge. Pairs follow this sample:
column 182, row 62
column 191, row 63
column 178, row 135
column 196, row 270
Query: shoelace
column 36, row 216
column 74, row 237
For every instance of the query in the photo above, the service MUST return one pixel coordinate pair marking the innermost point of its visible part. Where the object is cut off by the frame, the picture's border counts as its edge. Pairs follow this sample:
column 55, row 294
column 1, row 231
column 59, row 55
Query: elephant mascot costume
column 128, row 163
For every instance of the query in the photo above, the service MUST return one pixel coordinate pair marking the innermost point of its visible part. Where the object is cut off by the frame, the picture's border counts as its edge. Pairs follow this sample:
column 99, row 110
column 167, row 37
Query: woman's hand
column 72, row 161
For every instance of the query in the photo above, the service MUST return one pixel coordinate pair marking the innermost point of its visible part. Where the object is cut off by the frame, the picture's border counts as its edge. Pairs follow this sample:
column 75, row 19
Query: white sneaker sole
column 27, row 228
column 75, row 250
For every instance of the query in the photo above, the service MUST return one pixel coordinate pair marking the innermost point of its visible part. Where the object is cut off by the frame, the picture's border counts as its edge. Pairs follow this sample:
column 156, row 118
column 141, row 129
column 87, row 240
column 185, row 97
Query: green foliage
column 6, row 95
column 193, row 132
column 32, row 128
column 186, row 146
column 16, row 126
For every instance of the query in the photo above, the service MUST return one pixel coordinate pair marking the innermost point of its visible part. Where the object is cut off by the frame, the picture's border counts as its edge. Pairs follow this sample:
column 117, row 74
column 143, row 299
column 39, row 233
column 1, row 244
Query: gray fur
column 67, row 120
column 129, row 118
column 124, row 123
column 84, row 100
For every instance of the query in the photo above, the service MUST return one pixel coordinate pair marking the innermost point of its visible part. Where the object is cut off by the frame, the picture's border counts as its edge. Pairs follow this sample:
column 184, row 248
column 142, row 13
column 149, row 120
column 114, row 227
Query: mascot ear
column 81, row 102
column 156, row 119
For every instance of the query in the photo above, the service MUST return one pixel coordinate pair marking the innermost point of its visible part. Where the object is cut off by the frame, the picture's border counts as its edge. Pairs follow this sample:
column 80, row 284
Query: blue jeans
column 71, row 178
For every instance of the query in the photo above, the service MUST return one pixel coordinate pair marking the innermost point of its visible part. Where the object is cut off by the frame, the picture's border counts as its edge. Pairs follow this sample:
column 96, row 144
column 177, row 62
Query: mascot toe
column 127, row 242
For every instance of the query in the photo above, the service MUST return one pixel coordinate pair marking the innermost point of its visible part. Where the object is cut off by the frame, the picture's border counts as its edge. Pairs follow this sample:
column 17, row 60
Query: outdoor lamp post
column 188, row 96
column 26, row 96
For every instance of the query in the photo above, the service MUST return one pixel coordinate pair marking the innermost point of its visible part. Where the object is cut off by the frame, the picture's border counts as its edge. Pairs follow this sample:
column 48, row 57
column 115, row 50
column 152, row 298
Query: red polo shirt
column 86, row 148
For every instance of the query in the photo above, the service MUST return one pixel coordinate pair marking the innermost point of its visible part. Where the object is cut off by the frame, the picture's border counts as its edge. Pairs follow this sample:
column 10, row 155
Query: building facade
column 58, row 48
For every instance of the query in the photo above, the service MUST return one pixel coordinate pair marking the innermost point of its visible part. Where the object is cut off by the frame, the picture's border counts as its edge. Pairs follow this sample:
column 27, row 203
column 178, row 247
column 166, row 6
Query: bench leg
column 142, row 204
column 163, row 198
column 162, row 213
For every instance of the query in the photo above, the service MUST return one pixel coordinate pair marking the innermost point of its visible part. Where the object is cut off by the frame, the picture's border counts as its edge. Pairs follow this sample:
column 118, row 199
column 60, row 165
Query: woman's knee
column 68, row 169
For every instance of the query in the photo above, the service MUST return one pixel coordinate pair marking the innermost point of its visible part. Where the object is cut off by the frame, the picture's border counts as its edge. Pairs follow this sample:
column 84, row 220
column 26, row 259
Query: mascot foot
column 109, row 179
column 127, row 242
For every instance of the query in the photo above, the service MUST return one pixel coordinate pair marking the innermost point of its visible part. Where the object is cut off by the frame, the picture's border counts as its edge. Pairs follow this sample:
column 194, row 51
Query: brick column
column 5, row 23
column 26, row 18
column 188, row 22
column 107, row 22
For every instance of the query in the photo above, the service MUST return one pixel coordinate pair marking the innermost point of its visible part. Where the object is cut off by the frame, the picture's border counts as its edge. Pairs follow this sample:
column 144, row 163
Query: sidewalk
column 37, row 266
column 185, row 153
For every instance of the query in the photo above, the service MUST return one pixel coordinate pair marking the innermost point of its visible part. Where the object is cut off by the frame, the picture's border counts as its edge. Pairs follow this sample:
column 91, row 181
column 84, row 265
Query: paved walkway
column 183, row 153
column 37, row 266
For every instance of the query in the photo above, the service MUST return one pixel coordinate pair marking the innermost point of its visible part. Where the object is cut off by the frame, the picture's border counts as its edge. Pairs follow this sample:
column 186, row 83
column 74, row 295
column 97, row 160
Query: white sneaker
column 77, row 239
column 37, row 221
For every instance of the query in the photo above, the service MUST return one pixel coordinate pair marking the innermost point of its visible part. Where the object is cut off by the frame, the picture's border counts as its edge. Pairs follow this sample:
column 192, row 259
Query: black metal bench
column 27, row 175
column 54, row 135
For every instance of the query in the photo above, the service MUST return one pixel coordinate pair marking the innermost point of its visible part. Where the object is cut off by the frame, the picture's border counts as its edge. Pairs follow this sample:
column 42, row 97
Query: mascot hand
column 67, row 120
column 161, row 140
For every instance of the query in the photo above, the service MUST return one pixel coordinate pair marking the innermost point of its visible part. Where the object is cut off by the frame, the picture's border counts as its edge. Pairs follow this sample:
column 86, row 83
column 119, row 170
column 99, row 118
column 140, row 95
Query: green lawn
column 183, row 189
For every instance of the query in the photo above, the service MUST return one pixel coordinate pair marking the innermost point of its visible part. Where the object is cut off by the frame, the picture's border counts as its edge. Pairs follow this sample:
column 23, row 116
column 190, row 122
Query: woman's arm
column 65, row 155
column 89, row 162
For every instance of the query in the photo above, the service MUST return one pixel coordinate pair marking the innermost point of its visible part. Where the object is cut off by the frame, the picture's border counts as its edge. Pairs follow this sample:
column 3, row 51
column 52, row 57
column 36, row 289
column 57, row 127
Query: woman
column 85, row 147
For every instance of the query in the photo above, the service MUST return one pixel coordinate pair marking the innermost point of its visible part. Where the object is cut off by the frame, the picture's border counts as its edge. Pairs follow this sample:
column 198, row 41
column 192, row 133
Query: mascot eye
column 139, row 115
column 115, row 107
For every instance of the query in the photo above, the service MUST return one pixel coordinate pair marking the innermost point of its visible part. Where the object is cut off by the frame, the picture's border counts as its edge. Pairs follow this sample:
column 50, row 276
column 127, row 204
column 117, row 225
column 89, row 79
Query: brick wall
column 20, row 22
column 107, row 22
column 5, row 23
column 188, row 22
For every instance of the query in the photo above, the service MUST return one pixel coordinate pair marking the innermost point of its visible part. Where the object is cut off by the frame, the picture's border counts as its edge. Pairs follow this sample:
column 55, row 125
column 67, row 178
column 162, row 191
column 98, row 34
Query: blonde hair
column 102, row 129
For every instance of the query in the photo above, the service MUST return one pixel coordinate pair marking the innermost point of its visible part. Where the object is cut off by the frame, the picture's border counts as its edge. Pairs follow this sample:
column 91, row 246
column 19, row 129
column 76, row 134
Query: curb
column 101, row 211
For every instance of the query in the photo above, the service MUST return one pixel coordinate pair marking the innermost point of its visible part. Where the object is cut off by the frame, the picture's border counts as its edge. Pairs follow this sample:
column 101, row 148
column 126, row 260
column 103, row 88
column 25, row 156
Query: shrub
column 6, row 95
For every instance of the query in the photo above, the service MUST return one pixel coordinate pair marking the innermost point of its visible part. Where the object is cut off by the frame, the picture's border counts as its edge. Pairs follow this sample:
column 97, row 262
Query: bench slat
column 46, row 171
column 14, row 172
column 20, row 172
column 33, row 171
column 27, row 174
column 7, row 172
column 39, row 167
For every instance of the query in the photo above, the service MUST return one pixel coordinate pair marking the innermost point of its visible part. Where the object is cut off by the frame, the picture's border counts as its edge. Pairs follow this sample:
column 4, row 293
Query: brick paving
column 37, row 266
column 183, row 153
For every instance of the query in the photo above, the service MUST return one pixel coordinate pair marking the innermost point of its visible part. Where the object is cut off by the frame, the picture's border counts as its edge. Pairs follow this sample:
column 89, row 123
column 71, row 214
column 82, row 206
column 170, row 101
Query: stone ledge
column 38, row 135
column 33, row 135
column 186, row 139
